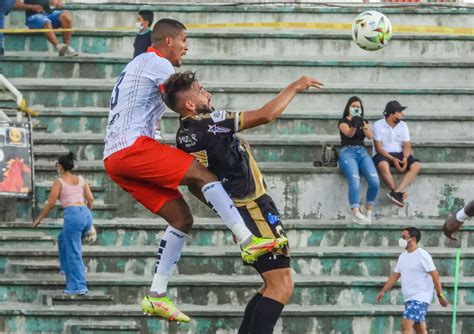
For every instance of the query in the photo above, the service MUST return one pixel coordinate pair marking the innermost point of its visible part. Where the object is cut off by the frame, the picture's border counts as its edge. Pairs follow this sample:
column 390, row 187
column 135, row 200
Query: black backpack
column 328, row 157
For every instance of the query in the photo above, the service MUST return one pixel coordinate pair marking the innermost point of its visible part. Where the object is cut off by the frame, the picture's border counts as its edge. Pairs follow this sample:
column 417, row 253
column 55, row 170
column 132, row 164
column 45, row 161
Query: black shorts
column 263, row 220
column 399, row 155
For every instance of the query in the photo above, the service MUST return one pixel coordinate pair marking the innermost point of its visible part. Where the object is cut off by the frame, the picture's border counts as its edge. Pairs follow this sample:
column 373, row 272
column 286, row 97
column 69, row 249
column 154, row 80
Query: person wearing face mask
column 143, row 26
column 392, row 148
column 75, row 196
column 419, row 279
column 353, row 157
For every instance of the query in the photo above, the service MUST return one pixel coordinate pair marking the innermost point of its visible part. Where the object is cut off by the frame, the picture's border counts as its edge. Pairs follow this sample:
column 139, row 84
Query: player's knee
column 183, row 222
column 66, row 17
column 415, row 167
column 383, row 167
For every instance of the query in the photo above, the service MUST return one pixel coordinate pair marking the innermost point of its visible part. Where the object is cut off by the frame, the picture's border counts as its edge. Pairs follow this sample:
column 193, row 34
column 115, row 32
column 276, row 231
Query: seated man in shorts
column 392, row 148
column 51, row 18
column 210, row 137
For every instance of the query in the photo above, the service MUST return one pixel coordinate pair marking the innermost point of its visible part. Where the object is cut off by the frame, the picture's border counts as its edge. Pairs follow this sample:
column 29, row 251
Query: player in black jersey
column 209, row 136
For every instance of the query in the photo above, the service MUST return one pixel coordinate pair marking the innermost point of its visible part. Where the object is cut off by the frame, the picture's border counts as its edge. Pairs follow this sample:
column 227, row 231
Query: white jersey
column 136, row 104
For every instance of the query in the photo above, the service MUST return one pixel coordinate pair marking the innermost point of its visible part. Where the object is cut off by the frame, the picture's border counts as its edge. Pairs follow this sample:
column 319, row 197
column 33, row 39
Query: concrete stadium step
column 302, row 191
column 17, row 238
column 213, row 319
column 264, row 147
column 54, row 298
column 89, row 16
column 243, row 70
column 212, row 232
column 140, row 260
column 209, row 290
column 96, row 93
column 266, row 43
column 101, row 326
column 455, row 126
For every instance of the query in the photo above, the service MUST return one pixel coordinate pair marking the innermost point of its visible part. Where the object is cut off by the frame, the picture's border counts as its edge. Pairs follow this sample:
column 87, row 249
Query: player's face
column 202, row 99
column 178, row 48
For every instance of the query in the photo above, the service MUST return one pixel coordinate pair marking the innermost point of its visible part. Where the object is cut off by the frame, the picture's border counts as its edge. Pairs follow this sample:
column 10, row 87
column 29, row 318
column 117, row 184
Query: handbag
column 328, row 157
column 90, row 236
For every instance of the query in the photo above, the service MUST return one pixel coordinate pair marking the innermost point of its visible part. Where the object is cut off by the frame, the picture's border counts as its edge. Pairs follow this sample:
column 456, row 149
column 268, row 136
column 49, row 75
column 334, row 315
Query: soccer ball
column 371, row 30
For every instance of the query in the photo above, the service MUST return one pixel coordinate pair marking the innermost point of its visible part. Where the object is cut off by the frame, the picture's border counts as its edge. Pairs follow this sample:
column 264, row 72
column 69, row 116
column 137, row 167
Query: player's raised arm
column 278, row 104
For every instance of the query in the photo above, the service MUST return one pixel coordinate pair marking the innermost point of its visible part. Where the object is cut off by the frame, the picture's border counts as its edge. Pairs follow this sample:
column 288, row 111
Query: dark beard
column 397, row 120
column 204, row 110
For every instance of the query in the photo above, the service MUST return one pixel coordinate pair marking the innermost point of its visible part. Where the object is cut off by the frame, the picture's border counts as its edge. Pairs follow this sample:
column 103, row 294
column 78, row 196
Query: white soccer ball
column 371, row 30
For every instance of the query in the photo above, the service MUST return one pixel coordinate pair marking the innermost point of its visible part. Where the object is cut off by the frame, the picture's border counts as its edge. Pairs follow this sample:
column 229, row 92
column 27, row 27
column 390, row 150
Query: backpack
column 328, row 157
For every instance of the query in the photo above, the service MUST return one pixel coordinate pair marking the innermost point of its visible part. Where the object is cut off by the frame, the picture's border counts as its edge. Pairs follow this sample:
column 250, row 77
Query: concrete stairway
column 339, row 267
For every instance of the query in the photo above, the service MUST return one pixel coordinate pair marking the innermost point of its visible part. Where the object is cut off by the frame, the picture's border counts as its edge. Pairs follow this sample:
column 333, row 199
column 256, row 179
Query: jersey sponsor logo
column 218, row 116
column 214, row 129
column 187, row 140
column 272, row 219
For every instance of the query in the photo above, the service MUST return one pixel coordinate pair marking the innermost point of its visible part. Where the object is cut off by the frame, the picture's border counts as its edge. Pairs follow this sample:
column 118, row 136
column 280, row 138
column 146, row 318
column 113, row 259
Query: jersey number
column 115, row 96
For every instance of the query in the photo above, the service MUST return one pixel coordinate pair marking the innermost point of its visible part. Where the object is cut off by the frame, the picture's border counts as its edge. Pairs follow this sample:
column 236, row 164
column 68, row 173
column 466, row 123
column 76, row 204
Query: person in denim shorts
column 52, row 17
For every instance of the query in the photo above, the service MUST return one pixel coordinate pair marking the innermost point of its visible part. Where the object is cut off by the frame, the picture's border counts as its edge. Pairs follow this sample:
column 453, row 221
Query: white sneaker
column 70, row 52
column 360, row 219
column 368, row 214
column 62, row 49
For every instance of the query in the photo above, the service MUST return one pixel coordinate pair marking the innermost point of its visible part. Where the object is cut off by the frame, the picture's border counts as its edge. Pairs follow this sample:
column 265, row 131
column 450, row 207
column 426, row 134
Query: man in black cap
column 392, row 148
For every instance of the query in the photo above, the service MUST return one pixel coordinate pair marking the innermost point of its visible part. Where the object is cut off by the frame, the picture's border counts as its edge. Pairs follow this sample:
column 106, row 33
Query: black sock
column 245, row 325
column 265, row 315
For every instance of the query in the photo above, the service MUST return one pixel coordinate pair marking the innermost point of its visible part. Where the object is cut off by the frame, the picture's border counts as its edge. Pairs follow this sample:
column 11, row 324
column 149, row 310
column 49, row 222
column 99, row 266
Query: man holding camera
column 392, row 148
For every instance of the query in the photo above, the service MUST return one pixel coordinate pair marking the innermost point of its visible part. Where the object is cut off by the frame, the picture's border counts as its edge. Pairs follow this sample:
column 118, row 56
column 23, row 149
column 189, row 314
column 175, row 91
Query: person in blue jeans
column 354, row 159
column 76, row 197
column 52, row 16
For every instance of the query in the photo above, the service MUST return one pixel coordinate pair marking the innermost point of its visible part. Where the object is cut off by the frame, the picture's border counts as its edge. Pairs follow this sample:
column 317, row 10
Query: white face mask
column 402, row 243
column 355, row 111
column 138, row 26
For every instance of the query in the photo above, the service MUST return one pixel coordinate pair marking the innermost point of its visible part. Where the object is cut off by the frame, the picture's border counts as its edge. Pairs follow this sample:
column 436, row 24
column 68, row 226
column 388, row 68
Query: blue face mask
column 355, row 111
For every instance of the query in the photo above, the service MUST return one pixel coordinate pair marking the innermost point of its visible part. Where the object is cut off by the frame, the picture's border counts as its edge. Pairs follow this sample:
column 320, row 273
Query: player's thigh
column 197, row 175
column 279, row 279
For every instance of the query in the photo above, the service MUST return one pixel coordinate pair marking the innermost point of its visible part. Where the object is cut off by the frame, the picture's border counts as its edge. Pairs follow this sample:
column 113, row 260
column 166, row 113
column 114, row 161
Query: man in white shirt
column 392, row 148
column 418, row 280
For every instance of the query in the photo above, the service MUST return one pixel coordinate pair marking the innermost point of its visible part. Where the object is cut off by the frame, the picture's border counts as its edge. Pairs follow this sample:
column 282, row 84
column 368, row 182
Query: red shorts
column 149, row 171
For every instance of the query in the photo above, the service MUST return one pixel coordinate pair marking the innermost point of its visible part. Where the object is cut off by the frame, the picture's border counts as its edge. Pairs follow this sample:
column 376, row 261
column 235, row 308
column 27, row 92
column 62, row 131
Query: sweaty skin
column 452, row 225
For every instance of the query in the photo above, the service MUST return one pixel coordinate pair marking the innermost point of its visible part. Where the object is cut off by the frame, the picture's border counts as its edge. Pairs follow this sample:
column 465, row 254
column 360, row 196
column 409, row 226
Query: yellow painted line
column 438, row 30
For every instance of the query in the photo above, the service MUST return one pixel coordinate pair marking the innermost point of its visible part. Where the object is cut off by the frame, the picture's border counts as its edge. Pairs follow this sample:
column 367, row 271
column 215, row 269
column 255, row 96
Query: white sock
column 169, row 252
column 215, row 194
column 461, row 215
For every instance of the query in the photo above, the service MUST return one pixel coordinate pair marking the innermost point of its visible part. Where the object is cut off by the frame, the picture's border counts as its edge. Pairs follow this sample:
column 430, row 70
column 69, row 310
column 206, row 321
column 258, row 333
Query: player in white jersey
column 151, row 171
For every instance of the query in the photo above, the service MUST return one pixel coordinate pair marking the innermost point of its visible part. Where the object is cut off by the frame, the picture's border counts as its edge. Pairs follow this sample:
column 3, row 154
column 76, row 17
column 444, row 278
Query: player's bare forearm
column 406, row 149
column 278, row 104
column 437, row 282
column 392, row 279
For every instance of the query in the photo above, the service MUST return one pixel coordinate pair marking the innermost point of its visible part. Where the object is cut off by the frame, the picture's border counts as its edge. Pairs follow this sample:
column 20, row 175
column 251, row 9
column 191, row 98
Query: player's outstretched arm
column 278, row 104
column 388, row 285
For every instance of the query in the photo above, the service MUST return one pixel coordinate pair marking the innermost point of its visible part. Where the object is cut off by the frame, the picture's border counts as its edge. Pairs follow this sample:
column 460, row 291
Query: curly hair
column 175, row 85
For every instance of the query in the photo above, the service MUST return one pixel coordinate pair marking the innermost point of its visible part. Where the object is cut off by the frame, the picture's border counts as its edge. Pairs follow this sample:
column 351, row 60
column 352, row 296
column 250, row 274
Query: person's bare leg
column 421, row 328
column 50, row 35
column 409, row 177
column 384, row 169
column 66, row 23
column 199, row 177
column 407, row 326
column 279, row 285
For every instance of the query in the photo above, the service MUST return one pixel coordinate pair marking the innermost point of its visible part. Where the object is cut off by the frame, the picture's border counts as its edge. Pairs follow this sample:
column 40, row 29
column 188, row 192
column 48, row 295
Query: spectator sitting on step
column 51, row 18
column 75, row 196
column 419, row 278
column 5, row 7
column 392, row 148
column 143, row 25
column 353, row 157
